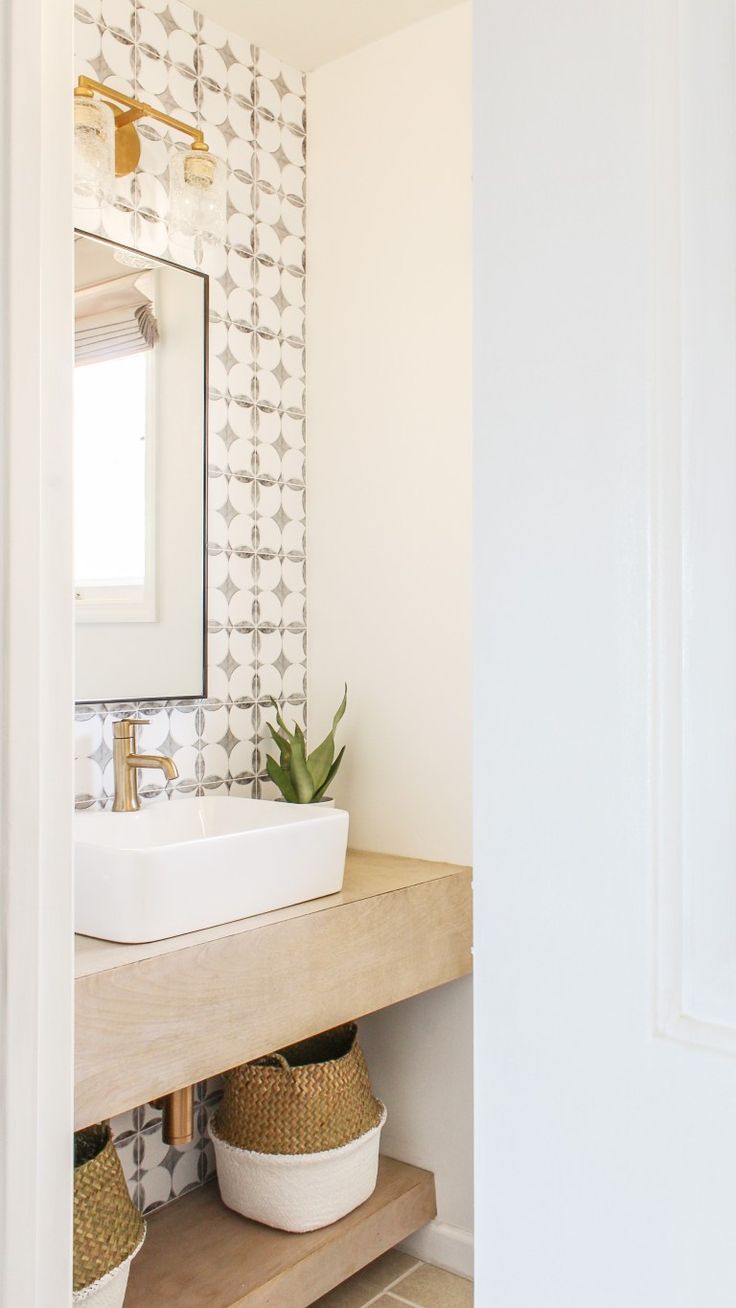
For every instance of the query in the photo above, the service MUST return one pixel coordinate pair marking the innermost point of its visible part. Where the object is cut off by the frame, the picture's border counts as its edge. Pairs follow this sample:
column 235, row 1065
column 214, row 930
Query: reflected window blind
column 114, row 318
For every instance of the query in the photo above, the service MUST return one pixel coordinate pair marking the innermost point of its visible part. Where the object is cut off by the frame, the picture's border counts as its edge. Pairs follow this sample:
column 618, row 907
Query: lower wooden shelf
column 199, row 1254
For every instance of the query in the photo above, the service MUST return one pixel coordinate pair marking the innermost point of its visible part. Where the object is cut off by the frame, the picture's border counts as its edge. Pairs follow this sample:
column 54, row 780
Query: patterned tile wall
column 252, row 110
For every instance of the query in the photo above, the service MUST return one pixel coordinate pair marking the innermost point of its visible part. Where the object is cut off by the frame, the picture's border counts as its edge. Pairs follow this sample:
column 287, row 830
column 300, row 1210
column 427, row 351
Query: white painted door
column 606, row 637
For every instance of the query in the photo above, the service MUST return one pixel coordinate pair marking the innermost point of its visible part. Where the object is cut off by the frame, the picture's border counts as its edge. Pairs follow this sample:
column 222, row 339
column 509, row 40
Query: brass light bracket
column 127, row 113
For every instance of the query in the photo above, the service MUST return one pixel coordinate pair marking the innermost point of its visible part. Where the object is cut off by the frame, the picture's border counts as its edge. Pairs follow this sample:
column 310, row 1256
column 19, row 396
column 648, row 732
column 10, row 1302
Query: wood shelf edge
column 147, row 1029
column 95, row 957
column 198, row 1254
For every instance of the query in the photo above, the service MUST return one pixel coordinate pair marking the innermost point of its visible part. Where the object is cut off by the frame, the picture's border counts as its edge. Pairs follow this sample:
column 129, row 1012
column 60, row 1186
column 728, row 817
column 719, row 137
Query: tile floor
column 397, row 1279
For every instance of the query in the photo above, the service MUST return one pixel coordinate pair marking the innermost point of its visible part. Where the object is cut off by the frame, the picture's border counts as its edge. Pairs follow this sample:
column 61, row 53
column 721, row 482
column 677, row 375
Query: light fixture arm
column 87, row 86
column 107, row 144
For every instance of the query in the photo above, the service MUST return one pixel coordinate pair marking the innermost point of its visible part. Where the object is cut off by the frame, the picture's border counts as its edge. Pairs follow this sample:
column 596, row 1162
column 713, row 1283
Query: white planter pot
column 298, row 1192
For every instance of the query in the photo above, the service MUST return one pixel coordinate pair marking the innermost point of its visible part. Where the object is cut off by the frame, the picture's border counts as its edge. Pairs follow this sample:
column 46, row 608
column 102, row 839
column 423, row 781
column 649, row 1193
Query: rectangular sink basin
column 187, row 864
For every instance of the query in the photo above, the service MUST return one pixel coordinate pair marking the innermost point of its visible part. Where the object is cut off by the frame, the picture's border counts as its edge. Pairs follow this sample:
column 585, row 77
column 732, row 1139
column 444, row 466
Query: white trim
column 36, row 932
column 443, row 1245
column 98, row 604
column 666, row 562
column 673, row 1018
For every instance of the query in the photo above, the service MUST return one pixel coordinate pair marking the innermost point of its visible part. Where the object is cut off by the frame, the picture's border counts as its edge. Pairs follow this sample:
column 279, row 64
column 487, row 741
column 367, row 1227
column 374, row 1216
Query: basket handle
column 279, row 1060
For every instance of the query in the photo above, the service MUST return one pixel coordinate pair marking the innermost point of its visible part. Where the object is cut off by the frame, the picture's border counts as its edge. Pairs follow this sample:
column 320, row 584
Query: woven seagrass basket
column 312, row 1096
column 297, row 1134
column 108, row 1229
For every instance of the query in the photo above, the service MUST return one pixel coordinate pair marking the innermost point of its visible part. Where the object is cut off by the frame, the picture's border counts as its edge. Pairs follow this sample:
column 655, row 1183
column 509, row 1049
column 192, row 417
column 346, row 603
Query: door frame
column 36, row 625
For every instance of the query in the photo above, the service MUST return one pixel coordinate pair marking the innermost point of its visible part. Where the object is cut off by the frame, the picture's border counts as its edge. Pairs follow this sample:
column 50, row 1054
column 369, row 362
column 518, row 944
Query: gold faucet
column 126, row 762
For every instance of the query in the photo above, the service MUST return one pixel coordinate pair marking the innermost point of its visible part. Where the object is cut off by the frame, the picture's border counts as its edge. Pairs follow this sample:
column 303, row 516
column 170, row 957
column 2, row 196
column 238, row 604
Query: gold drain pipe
column 178, row 1119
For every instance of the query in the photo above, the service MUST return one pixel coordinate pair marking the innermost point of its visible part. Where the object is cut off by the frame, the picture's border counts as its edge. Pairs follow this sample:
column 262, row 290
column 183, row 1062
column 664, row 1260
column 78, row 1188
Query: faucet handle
column 124, row 728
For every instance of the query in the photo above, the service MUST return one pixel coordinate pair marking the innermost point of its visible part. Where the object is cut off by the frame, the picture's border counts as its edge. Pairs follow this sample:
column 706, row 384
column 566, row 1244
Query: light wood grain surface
column 366, row 874
column 152, row 1018
column 198, row 1254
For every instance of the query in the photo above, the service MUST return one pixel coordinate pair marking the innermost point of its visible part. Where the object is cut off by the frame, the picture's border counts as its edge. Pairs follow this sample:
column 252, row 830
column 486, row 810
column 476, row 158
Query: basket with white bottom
column 297, row 1134
column 109, row 1291
column 298, row 1192
column 108, row 1229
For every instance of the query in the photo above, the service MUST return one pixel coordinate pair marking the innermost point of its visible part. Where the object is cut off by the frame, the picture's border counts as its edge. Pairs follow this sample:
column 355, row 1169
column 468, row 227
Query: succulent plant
column 303, row 778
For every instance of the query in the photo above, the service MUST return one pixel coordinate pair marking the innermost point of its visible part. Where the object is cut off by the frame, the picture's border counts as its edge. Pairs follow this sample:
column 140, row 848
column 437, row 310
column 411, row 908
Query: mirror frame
column 196, row 272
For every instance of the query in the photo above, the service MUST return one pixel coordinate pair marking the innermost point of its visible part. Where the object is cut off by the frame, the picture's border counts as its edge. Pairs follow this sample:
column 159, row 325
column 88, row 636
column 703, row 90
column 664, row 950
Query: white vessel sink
column 193, row 863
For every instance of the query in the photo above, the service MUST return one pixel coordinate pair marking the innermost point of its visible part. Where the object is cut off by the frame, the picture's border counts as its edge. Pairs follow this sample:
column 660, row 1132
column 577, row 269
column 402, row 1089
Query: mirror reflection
column 139, row 475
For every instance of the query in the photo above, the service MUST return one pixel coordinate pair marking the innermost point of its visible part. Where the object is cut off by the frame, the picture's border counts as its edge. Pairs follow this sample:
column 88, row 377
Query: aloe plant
column 303, row 778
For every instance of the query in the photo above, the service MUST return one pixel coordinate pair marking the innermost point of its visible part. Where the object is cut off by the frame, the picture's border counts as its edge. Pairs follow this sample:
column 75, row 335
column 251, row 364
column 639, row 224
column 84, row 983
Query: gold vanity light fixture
column 107, row 145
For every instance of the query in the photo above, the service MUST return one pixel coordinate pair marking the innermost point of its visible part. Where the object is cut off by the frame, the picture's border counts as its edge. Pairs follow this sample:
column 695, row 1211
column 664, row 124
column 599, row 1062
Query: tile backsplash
column 155, row 1171
column 252, row 110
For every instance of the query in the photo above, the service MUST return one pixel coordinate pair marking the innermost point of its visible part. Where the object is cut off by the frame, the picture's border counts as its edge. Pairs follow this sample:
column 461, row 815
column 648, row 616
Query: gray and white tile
column 251, row 108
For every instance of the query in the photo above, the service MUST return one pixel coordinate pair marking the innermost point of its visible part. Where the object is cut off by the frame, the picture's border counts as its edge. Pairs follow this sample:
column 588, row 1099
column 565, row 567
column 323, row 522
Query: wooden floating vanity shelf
column 152, row 1018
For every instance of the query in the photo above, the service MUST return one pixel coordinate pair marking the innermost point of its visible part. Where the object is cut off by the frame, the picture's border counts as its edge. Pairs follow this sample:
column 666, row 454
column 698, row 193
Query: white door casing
column 36, row 697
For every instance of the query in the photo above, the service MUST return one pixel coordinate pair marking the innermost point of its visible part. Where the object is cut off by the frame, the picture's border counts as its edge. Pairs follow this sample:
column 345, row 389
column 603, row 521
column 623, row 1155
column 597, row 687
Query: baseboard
column 443, row 1246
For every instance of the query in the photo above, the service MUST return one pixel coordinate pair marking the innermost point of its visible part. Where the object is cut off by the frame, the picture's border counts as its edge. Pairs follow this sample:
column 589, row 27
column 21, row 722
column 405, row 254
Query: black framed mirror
column 140, row 475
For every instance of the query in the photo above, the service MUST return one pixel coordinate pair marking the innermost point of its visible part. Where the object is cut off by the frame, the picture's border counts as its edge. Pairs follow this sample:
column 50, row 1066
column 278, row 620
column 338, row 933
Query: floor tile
column 368, row 1282
column 429, row 1287
column 385, row 1270
column 348, row 1295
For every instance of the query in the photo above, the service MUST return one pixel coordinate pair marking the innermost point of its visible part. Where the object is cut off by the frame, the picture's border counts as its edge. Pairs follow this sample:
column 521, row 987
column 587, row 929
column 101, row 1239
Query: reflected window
column 115, row 342
column 110, row 447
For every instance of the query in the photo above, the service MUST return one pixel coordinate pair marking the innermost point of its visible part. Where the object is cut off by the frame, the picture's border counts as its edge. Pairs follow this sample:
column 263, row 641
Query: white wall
column 388, row 258
column 388, row 514
column 605, row 1156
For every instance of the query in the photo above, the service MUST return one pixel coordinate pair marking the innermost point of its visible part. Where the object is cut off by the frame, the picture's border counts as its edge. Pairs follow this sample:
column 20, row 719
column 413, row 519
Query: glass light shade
column 94, row 152
column 129, row 259
column 197, row 196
